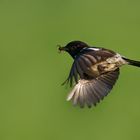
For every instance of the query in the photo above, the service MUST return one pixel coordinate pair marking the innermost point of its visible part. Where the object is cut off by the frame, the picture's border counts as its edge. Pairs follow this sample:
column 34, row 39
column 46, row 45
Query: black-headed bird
column 93, row 73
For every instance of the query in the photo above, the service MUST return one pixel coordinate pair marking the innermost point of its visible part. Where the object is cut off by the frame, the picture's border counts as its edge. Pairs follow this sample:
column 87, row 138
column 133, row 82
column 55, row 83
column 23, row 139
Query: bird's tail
column 132, row 62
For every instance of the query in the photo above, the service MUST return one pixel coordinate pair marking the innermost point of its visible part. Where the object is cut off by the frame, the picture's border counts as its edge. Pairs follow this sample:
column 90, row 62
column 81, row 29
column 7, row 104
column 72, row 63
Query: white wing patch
column 94, row 49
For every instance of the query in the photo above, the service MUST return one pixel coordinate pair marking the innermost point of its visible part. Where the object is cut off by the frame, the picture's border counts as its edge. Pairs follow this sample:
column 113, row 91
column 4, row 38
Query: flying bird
column 93, row 73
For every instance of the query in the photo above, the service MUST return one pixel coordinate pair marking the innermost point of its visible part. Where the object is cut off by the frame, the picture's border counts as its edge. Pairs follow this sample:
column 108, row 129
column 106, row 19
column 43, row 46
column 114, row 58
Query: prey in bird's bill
column 93, row 73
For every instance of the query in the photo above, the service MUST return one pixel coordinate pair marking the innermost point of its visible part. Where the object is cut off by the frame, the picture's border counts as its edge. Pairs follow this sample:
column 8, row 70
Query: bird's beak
column 60, row 48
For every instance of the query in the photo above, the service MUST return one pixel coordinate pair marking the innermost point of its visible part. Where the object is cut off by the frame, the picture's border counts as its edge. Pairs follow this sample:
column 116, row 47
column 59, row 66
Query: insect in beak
column 60, row 48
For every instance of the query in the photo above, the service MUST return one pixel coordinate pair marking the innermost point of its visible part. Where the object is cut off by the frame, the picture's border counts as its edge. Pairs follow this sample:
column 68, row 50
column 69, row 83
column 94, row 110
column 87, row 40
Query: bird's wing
column 81, row 67
column 90, row 92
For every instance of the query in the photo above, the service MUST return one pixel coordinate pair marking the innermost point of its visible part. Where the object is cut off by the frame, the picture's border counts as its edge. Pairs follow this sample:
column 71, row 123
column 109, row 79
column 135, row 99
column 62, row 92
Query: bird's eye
column 74, row 47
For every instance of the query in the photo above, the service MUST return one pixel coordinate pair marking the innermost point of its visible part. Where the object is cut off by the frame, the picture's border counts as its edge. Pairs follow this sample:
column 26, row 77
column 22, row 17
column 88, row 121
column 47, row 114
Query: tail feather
column 132, row 62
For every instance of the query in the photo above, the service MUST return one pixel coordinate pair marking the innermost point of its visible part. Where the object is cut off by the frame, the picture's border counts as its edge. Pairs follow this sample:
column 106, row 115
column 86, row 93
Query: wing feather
column 80, row 67
column 90, row 92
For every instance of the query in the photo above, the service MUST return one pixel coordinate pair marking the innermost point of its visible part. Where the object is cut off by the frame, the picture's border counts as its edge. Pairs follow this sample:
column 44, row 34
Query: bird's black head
column 74, row 48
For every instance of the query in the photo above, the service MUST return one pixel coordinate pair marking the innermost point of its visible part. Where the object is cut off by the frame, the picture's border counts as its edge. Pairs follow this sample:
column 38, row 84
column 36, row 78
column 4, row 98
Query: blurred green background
column 32, row 100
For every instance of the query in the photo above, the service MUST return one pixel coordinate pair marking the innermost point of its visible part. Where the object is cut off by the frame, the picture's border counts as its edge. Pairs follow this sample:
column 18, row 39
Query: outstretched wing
column 81, row 67
column 90, row 92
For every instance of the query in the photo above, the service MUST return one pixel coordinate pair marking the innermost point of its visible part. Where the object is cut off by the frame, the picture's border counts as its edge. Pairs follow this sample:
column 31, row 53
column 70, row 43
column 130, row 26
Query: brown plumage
column 93, row 73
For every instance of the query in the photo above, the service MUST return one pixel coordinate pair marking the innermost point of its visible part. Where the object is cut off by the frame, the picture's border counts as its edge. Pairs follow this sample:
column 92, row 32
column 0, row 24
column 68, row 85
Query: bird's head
column 73, row 48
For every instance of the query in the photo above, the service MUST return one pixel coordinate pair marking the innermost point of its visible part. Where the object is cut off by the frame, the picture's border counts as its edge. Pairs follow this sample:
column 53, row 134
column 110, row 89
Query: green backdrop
column 32, row 101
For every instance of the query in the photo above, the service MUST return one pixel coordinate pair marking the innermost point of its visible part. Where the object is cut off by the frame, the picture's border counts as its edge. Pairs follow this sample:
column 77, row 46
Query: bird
column 93, row 73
